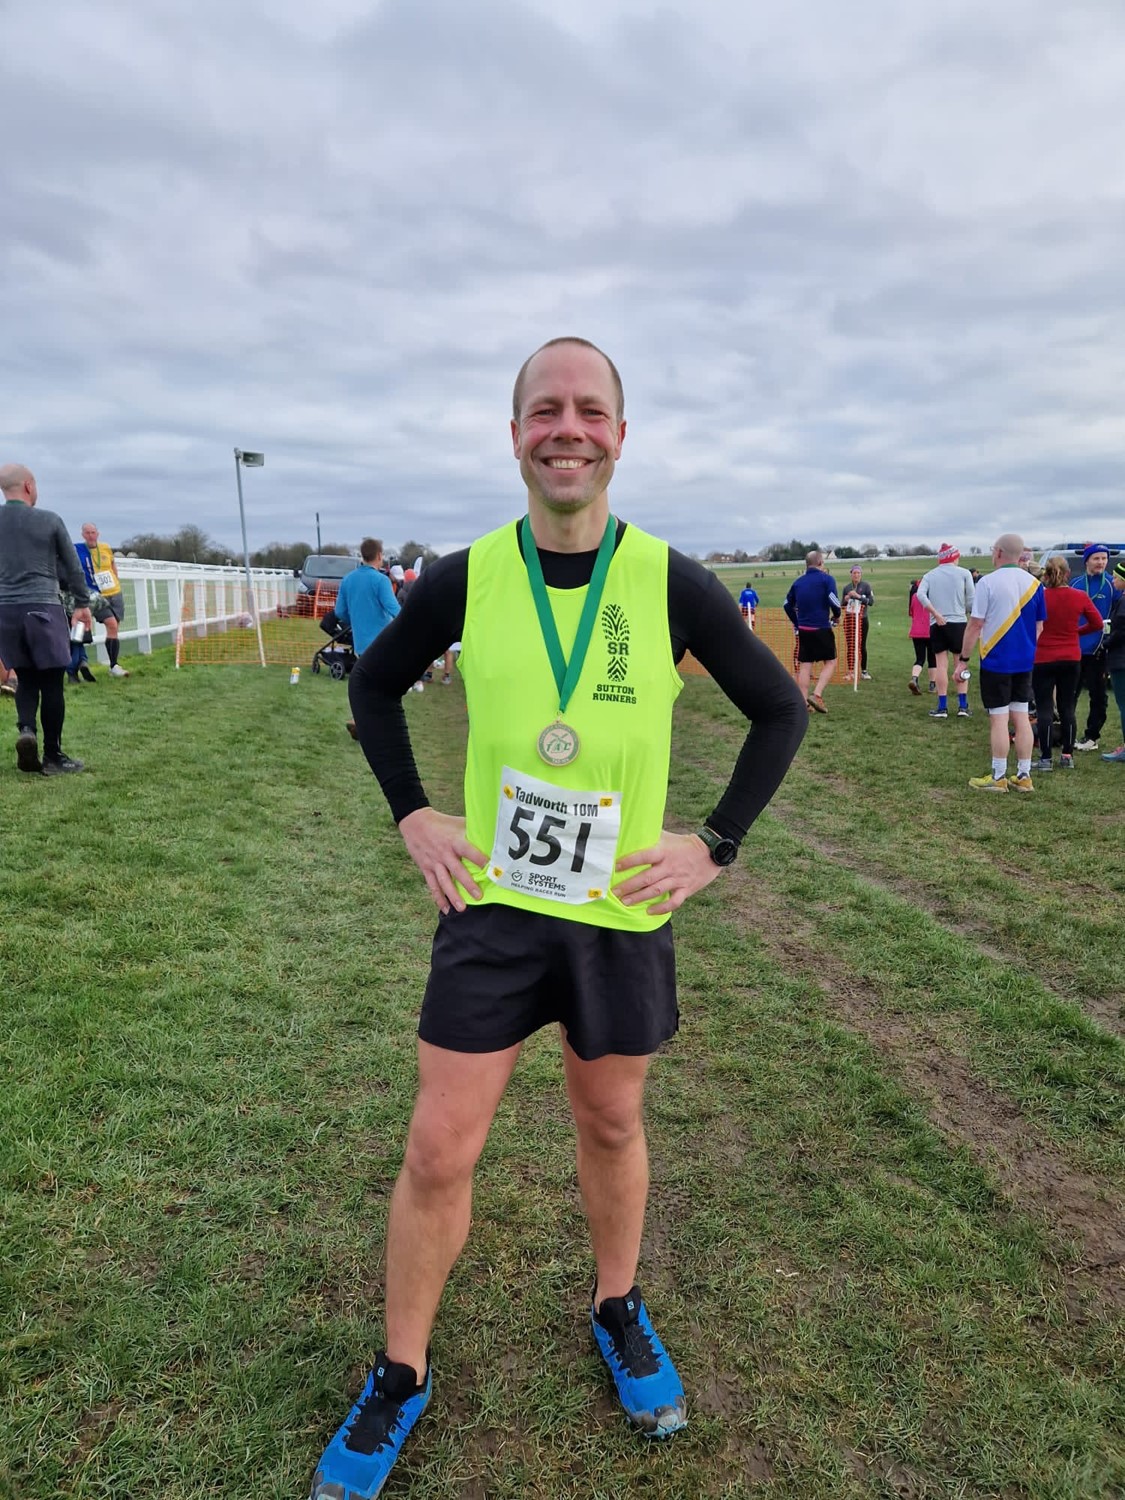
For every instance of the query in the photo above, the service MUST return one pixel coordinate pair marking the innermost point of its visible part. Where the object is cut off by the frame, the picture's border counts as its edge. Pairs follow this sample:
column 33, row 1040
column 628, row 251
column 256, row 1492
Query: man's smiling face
column 568, row 437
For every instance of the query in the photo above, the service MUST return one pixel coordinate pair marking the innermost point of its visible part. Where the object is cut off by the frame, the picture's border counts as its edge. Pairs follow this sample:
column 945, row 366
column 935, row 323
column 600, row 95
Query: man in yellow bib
column 108, row 604
column 556, row 887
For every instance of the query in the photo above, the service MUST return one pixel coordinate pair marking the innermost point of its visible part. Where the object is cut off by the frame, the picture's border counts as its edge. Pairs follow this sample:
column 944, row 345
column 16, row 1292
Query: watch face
column 723, row 851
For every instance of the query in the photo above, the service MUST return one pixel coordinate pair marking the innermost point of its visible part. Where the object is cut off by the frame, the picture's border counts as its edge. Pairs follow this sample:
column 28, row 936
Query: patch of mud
column 963, row 1107
column 1106, row 1010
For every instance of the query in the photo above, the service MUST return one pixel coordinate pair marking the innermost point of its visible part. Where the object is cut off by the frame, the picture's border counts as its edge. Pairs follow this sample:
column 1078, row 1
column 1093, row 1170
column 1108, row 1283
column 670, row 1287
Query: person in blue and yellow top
column 556, row 887
column 1007, row 618
column 107, row 602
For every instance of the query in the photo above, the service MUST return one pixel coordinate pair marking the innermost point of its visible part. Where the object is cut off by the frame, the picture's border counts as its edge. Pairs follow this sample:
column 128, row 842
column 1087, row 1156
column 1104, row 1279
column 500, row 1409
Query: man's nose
column 568, row 424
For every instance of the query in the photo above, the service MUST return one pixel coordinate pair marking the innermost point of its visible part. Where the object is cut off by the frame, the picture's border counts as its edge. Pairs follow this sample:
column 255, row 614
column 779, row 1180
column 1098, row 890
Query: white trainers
column 1086, row 745
column 118, row 671
column 419, row 687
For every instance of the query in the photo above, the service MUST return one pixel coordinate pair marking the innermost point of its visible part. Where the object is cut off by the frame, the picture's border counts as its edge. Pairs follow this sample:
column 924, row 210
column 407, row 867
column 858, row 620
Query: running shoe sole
column 27, row 754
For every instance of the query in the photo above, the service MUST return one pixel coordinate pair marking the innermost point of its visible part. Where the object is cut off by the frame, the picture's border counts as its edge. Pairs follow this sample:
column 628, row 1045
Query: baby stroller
column 338, row 656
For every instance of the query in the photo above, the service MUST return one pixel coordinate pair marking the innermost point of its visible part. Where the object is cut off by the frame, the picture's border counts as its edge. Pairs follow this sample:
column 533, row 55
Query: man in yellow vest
column 108, row 604
column 556, row 887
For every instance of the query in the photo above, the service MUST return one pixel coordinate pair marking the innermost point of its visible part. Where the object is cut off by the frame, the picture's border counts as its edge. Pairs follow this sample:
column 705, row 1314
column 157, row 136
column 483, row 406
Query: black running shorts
column 948, row 637
column 999, row 689
column 816, row 645
column 499, row 973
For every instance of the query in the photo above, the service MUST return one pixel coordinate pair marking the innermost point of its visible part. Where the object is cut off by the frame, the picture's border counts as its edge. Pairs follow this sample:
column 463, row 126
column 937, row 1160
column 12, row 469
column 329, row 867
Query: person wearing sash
column 556, row 887
column 107, row 600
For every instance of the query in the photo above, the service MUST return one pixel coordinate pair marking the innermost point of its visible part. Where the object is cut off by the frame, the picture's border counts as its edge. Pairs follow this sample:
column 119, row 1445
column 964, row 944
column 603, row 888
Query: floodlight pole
column 318, row 532
column 256, row 460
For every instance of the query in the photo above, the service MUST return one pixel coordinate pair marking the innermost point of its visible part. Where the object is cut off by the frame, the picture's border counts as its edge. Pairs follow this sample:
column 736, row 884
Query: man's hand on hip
column 438, row 846
column 679, row 865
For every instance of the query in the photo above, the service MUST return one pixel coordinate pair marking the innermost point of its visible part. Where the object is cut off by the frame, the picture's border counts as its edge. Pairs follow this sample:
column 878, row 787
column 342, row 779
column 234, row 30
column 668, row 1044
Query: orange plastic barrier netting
column 218, row 626
column 773, row 627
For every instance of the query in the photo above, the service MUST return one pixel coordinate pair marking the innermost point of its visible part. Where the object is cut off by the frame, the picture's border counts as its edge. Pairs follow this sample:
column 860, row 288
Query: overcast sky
column 862, row 266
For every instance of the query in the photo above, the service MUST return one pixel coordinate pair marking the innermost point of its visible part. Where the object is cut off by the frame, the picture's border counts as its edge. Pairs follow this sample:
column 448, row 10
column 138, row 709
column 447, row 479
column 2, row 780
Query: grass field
column 886, row 1239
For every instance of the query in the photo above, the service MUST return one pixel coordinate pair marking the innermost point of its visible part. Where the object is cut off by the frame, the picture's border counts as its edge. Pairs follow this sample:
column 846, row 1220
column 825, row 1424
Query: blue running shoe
column 647, row 1384
column 357, row 1461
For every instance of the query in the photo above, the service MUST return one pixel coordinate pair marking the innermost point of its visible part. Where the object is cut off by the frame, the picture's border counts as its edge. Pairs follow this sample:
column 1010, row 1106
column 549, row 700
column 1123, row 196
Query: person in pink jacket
column 920, row 635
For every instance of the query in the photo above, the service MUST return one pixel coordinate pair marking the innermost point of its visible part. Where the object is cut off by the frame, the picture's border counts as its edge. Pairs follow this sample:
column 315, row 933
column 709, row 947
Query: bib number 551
column 549, row 848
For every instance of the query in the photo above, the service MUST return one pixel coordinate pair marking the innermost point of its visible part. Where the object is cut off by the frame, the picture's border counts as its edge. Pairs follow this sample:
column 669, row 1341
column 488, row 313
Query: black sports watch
column 722, row 851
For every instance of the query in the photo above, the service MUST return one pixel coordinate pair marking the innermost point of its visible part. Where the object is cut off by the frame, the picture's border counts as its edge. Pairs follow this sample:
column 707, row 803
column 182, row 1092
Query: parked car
column 318, row 581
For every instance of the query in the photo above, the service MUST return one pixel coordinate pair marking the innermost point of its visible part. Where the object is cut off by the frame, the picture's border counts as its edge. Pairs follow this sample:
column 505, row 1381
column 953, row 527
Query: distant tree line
column 796, row 550
column 191, row 544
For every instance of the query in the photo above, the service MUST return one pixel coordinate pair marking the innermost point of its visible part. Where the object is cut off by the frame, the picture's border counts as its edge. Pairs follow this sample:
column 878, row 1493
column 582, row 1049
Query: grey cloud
column 860, row 268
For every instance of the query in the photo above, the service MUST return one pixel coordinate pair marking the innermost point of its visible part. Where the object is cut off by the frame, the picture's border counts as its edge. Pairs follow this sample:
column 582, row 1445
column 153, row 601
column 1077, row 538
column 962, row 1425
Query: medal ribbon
column 567, row 673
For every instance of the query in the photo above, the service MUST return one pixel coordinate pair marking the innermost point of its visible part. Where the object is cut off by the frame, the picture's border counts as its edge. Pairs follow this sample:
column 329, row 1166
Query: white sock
column 1023, row 767
column 999, row 767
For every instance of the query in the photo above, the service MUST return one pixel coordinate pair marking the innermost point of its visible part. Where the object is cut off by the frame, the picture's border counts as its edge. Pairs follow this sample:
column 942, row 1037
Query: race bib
column 553, row 842
column 105, row 580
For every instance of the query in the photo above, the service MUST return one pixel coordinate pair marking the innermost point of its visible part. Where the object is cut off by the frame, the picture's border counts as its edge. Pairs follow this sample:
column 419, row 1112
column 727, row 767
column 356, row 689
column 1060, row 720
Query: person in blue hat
column 1096, row 585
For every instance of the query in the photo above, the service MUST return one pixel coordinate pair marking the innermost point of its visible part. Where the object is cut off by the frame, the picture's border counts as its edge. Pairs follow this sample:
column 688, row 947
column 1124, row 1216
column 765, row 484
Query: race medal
column 558, row 745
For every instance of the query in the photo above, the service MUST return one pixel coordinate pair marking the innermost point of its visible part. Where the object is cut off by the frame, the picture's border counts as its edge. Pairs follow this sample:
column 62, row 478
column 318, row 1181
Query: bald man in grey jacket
column 36, row 555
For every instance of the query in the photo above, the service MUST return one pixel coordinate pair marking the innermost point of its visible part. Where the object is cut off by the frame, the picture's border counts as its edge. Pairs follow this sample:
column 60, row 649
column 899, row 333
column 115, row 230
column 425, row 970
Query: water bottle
column 294, row 677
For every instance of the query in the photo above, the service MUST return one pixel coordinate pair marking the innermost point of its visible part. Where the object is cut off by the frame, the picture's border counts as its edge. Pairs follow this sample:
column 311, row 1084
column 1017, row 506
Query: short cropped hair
column 370, row 549
column 517, row 389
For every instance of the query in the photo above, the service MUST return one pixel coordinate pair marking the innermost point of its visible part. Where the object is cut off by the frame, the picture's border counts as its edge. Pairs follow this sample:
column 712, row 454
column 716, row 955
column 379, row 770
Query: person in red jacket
column 1058, row 659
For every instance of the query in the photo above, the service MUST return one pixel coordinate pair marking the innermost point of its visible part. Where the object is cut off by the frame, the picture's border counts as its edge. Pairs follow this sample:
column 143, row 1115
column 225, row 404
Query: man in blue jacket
column 366, row 602
column 813, row 606
column 1097, row 587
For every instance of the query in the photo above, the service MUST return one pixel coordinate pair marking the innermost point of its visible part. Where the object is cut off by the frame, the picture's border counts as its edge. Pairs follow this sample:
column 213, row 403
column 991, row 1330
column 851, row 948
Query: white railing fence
column 154, row 598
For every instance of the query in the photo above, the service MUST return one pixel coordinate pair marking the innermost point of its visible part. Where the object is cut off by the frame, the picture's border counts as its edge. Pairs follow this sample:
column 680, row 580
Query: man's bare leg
column 941, row 672
column 804, row 676
column 431, row 1207
column 607, row 1098
column 998, row 735
column 607, row 1101
column 825, row 677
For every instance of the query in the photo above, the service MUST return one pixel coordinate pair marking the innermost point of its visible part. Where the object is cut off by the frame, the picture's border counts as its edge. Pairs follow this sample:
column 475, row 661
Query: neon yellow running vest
column 621, row 707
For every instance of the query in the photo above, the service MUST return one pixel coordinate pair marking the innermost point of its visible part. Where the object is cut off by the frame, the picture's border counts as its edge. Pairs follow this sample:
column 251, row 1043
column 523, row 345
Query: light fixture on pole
column 252, row 461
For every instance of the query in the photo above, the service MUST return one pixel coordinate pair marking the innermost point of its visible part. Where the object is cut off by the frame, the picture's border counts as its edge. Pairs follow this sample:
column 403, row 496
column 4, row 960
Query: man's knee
column 440, row 1154
column 609, row 1125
